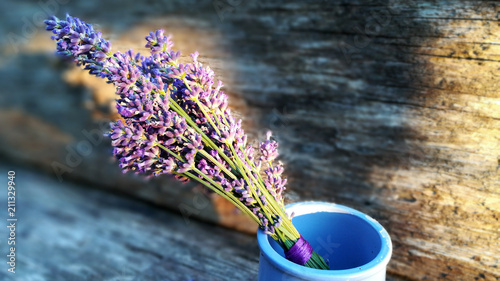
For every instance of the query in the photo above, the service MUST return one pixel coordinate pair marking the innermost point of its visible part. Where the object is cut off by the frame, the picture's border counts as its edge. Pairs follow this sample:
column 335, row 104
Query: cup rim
column 308, row 207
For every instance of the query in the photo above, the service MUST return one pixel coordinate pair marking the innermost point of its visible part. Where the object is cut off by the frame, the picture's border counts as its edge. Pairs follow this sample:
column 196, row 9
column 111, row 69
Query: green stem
column 188, row 119
column 215, row 187
column 235, row 200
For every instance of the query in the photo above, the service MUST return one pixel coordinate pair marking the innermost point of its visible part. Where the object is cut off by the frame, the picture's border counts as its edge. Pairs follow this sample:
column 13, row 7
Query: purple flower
column 123, row 73
column 158, row 42
column 78, row 40
column 176, row 120
column 269, row 149
column 156, row 139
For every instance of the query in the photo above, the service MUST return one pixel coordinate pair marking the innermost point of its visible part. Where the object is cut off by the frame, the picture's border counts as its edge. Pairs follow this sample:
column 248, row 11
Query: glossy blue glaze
column 357, row 246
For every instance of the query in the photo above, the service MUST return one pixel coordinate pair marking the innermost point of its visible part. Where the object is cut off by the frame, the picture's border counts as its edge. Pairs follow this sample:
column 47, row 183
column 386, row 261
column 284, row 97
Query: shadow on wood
column 390, row 107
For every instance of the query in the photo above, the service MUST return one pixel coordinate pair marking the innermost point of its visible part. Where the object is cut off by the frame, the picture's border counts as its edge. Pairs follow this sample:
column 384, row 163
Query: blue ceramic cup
column 356, row 246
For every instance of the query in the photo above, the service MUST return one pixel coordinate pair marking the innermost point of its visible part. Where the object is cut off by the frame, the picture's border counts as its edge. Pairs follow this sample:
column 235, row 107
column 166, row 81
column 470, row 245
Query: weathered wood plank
column 391, row 107
column 75, row 232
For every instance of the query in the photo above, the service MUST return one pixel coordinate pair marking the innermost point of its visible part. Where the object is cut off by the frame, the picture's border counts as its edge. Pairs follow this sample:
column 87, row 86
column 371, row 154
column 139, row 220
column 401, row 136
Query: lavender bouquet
column 176, row 120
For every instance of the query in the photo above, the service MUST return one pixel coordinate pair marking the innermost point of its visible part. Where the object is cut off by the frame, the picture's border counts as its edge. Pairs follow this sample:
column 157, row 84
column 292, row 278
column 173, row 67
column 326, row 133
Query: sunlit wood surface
column 390, row 107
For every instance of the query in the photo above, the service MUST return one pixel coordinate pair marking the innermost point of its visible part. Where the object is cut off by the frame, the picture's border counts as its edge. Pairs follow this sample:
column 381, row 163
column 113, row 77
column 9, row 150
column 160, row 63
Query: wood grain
column 390, row 107
column 75, row 232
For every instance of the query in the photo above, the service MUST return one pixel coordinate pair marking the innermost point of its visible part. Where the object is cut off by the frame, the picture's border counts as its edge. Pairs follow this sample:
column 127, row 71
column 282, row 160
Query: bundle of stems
column 175, row 120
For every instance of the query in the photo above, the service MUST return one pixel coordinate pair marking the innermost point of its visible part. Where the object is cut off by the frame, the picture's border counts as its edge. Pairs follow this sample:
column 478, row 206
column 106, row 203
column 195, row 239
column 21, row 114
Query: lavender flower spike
column 78, row 40
column 175, row 120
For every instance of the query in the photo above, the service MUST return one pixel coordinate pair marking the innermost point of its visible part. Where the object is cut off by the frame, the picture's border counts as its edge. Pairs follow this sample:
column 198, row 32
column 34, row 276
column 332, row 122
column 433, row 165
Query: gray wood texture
column 70, row 232
column 390, row 107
